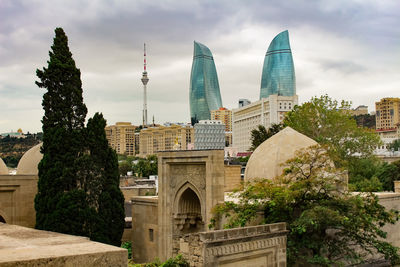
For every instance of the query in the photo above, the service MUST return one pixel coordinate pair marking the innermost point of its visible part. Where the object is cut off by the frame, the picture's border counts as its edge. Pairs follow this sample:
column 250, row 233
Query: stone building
column 17, row 192
column 176, row 221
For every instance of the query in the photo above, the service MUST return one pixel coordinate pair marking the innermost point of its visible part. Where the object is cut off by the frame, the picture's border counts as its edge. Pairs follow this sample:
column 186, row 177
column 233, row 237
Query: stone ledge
column 244, row 232
column 21, row 246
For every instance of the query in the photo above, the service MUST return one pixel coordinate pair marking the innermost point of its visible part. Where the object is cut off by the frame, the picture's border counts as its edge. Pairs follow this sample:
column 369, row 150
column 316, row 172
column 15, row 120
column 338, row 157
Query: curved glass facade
column 278, row 76
column 204, row 87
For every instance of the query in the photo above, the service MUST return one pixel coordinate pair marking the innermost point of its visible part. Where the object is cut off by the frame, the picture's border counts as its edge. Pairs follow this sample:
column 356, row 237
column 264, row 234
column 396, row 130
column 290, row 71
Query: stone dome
column 266, row 160
column 3, row 168
column 28, row 164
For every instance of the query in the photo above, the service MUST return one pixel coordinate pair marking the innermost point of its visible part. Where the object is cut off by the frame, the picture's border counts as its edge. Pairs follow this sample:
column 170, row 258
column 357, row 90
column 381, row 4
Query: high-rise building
column 262, row 112
column 388, row 117
column 278, row 77
column 121, row 137
column 204, row 92
column 164, row 138
column 209, row 134
column 225, row 116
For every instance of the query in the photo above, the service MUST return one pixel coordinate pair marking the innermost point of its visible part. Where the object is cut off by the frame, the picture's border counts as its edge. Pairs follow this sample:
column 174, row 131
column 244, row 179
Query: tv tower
column 145, row 80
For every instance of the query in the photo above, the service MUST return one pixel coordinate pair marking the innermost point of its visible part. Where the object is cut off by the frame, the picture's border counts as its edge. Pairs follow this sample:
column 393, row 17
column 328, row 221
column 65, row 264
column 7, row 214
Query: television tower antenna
column 145, row 80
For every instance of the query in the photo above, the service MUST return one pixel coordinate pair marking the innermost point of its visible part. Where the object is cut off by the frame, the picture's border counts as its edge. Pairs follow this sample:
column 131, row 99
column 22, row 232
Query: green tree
column 59, row 203
column 394, row 146
column 327, row 122
column 124, row 167
column 104, row 195
column 78, row 187
column 260, row 134
column 146, row 166
column 327, row 225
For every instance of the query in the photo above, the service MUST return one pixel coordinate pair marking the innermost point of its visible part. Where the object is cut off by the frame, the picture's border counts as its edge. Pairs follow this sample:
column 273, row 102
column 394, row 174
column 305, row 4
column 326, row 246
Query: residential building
column 121, row 137
column 266, row 111
column 278, row 77
column 209, row 134
column 387, row 114
column 164, row 138
column 360, row 110
column 204, row 94
column 225, row 116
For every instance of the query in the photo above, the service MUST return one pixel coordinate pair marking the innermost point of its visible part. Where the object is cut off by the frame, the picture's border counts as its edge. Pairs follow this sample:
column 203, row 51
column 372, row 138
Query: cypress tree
column 59, row 203
column 78, row 172
column 110, row 222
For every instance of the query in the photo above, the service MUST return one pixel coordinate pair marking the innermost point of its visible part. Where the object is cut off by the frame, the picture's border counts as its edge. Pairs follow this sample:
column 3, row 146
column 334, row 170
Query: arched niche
column 188, row 216
column 3, row 217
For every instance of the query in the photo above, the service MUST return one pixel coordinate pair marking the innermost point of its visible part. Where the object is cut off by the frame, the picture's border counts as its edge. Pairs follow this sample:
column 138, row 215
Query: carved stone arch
column 188, row 210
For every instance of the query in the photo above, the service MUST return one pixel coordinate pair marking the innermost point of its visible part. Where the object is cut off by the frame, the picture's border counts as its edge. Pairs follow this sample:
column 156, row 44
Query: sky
column 347, row 49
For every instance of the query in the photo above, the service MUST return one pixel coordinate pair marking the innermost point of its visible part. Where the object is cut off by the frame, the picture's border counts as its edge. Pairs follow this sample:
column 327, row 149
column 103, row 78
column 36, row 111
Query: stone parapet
column 263, row 245
column 21, row 246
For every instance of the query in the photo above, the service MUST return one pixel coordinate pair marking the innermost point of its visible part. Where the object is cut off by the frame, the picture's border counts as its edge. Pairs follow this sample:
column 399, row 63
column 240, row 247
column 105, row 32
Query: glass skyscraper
column 204, row 87
column 278, row 76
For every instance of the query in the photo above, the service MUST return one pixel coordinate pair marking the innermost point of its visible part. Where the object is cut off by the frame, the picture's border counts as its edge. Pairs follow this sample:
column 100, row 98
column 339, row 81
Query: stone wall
column 144, row 229
column 263, row 245
column 391, row 201
column 133, row 191
column 232, row 177
column 17, row 194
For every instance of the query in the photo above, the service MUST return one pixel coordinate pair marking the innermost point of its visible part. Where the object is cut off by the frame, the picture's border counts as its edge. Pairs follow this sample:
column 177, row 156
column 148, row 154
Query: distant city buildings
column 204, row 94
column 121, row 137
column 17, row 134
column 277, row 94
column 266, row 111
column 360, row 110
column 209, row 134
column 164, row 138
column 225, row 116
column 243, row 102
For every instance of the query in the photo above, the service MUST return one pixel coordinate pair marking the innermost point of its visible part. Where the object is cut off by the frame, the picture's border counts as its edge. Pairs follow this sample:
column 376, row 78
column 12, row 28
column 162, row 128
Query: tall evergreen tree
column 58, row 204
column 110, row 201
column 78, row 171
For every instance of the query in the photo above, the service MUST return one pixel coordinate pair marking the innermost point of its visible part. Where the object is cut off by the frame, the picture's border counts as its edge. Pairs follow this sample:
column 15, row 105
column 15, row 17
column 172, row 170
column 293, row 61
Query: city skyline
column 346, row 49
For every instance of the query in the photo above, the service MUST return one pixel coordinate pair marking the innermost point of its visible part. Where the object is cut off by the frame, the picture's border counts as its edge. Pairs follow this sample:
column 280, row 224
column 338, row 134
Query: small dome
column 28, row 164
column 3, row 168
column 266, row 160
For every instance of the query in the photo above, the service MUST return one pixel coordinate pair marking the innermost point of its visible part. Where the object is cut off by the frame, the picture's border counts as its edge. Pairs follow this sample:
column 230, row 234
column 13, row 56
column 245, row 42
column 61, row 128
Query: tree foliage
column 327, row 122
column 78, row 189
column 373, row 175
column 328, row 226
column 260, row 134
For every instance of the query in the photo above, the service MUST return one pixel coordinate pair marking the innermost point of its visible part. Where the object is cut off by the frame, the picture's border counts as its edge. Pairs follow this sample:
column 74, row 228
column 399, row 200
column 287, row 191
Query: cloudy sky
column 347, row 49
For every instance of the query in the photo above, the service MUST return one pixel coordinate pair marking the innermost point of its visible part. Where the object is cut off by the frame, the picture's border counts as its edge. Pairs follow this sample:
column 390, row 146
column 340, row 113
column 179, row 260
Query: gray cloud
column 347, row 49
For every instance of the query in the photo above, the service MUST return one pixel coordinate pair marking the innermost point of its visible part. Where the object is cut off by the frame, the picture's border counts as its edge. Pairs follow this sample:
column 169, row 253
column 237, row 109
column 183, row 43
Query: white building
column 209, row 134
column 266, row 111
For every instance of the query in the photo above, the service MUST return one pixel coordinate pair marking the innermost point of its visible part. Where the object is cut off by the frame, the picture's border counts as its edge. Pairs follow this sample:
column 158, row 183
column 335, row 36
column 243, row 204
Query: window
column 151, row 235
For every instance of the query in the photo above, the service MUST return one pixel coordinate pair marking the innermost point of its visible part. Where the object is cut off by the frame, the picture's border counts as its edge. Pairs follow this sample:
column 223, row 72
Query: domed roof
column 266, row 160
column 3, row 168
column 28, row 164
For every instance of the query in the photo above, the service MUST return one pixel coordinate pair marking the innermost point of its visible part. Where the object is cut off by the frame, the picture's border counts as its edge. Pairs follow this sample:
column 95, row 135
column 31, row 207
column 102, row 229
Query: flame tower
column 145, row 80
